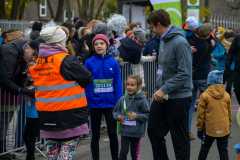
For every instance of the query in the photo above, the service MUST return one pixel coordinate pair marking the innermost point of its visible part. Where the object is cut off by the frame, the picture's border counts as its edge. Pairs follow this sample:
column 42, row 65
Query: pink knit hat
column 102, row 37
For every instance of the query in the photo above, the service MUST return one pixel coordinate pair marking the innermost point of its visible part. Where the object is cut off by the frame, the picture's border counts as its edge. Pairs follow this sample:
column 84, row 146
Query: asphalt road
column 146, row 148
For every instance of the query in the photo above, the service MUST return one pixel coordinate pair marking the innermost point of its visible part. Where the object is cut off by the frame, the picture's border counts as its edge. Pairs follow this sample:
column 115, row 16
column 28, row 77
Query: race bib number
column 160, row 68
column 128, row 122
column 103, row 85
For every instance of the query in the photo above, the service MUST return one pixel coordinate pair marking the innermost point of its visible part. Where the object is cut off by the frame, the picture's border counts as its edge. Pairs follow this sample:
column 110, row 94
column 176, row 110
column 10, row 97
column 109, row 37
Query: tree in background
column 93, row 9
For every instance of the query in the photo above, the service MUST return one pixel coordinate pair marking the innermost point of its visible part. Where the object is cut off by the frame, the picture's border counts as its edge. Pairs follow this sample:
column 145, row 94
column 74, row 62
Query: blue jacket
column 103, row 68
column 152, row 44
column 205, row 66
column 218, row 54
column 1, row 39
column 31, row 111
column 189, row 33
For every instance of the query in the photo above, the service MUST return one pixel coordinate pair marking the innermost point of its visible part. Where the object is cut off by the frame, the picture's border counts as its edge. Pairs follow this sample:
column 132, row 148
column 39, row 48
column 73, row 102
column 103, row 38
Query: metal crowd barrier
column 12, row 124
column 13, row 108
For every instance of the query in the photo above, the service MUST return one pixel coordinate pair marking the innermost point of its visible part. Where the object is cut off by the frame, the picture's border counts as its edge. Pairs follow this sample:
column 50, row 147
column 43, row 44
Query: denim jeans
column 202, row 86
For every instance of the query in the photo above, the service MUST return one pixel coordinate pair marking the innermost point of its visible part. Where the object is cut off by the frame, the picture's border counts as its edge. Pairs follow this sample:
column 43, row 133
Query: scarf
column 226, row 44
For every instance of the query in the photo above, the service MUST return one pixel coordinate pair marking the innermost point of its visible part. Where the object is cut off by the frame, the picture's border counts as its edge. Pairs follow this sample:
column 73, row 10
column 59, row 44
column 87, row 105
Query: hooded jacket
column 103, row 68
column 175, row 55
column 219, row 55
column 130, row 51
column 141, row 107
column 152, row 44
column 214, row 109
column 205, row 66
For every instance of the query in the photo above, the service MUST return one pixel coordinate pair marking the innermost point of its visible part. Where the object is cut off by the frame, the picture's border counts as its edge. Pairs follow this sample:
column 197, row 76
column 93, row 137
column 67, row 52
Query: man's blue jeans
column 202, row 86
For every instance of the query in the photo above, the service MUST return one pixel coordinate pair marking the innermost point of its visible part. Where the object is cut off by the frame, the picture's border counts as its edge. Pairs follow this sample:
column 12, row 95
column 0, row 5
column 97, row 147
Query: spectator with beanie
column 63, row 113
column 233, row 55
column 131, row 48
column 201, row 63
column 214, row 116
column 36, row 29
column 13, row 60
column 105, row 70
column 115, row 54
column 220, row 53
column 98, row 28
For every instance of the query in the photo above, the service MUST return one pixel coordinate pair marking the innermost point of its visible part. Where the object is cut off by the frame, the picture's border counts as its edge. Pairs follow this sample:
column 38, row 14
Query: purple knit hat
column 102, row 37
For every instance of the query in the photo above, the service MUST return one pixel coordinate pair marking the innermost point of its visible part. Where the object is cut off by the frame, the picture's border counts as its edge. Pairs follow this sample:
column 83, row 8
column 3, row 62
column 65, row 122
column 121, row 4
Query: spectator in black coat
column 130, row 48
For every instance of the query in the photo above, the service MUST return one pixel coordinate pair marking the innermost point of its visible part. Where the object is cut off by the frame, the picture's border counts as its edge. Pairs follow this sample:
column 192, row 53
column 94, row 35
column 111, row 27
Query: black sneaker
column 84, row 136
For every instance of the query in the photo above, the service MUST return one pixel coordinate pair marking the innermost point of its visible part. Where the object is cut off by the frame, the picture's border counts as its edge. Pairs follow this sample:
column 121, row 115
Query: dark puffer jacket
column 130, row 51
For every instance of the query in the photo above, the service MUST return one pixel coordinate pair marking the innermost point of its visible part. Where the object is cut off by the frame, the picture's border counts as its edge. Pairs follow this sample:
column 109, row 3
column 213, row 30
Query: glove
column 214, row 62
column 28, row 92
column 237, row 148
column 228, row 72
column 200, row 134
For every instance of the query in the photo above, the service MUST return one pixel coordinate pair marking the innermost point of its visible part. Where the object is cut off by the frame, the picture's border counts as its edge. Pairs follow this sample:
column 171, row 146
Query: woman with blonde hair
column 220, row 53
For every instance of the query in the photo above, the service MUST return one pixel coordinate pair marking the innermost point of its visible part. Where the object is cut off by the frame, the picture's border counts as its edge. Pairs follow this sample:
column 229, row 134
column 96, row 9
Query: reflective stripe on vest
column 56, row 87
column 60, row 99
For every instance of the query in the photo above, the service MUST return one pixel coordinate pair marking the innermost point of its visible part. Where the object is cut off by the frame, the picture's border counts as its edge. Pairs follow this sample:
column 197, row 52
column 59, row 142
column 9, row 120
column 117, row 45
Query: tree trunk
column 207, row 6
column 21, row 10
column 99, row 9
column 2, row 10
column 50, row 9
column 79, row 8
column 69, row 15
column 85, row 7
column 91, row 10
column 14, row 11
column 59, row 11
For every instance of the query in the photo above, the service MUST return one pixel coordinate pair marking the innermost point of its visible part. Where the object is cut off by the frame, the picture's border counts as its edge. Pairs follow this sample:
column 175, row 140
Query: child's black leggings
column 31, row 132
column 134, row 145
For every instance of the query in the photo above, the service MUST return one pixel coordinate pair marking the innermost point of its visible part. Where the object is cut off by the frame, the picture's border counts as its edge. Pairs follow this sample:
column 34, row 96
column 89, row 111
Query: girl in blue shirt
column 32, row 127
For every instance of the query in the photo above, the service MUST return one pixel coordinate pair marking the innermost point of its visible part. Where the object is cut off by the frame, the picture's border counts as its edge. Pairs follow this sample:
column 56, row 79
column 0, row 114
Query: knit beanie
column 192, row 23
column 75, row 19
column 94, row 22
column 102, row 37
column 14, row 35
column 53, row 34
column 37, row 26
column 215, row 77
column 237, row 148
column 113, row 51
column 100, row 28
column 34, row 34
column 229, row 35
column 140, row 33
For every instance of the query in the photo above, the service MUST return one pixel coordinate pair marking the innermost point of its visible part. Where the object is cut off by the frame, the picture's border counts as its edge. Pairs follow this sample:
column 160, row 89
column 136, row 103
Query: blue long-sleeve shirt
column 103, row 68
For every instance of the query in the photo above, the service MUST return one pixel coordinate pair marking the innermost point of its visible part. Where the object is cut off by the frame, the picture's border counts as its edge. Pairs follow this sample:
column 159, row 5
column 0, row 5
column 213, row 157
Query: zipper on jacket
column 104, row 92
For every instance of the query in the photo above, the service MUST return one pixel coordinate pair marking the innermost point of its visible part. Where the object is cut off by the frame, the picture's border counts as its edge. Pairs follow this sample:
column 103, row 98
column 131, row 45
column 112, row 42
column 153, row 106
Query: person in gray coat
column 132, row 110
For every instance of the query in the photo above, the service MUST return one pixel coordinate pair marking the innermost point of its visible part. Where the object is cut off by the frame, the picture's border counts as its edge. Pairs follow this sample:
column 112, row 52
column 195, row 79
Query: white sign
column 193, row 9
column 138, row 14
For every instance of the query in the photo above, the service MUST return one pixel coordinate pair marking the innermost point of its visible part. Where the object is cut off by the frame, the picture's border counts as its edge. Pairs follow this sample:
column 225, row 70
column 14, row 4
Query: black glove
column 28, row 92
column 228, row 72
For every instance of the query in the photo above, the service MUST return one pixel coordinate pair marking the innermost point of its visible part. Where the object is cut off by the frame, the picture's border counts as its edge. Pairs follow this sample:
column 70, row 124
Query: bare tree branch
column 59, row 11
column 50, row 9
column 99, row 9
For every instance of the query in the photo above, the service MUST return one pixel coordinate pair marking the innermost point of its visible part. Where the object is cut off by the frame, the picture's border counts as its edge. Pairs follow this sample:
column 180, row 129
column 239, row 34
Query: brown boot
column 191, row 136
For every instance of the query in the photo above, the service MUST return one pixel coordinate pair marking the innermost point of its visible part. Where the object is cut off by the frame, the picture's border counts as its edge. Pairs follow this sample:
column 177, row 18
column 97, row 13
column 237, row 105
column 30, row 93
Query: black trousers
column 237, row 85
column 222, row 144
column 95, row 122
column 171, row 115
column 31, row 132
column 134, row 144
column 229, row 82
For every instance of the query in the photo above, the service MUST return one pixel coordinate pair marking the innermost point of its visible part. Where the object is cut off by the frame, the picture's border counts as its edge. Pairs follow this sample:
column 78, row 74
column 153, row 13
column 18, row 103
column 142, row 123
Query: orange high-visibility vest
column 52, row 91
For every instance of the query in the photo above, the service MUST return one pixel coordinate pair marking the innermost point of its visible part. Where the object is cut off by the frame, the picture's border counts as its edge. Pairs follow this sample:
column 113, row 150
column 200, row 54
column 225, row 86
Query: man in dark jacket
column 13, row 59
column 234, row 51
column 200, row 41
column 153, row 44
column 174, row 79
